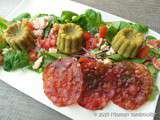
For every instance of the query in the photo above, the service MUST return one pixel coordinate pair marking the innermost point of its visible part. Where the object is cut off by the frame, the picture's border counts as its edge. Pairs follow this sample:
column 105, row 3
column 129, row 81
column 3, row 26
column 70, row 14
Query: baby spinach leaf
column 94, row 20
column 155, row 92
column 137, row 60
column 154, row 73
column 3, row 25
column 66, row 16
column 140, row 27
column 116, row 57
column 21, row 17
column 150, row 37
column 48, row 28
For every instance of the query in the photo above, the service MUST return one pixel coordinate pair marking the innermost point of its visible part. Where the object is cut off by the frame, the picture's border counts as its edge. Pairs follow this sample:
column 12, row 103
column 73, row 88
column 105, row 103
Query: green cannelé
column 70, row 38
column 127, row 41
column 19, row 36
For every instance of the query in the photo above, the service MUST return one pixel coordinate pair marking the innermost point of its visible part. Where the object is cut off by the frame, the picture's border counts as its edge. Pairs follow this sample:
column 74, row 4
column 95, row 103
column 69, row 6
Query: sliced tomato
column 154, row 43
column 87, row 35
column 143, row 52
column 33, row 56
column 103, row 31
column 156, row 63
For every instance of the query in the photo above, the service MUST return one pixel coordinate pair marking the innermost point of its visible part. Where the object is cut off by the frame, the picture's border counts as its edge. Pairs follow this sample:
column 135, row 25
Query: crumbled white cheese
column 37, row 63
column 40, row 23
column 52, row 50
column 5, row 50
column 105, row 61
column 38, row 33
column 104, row 47
column 110, row 52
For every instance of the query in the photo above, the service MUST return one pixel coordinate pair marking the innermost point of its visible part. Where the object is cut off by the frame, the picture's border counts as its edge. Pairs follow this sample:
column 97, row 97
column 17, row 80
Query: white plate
column 31, row 84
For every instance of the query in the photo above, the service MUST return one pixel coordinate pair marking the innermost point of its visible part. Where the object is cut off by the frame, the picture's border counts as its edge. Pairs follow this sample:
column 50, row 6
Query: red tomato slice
column 156, row 63
column 154, row 43
column 87, row 35
column 143, row 52
column 103, row 31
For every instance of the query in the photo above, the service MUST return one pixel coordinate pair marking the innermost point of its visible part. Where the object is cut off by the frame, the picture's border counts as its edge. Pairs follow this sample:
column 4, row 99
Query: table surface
column 15, row 105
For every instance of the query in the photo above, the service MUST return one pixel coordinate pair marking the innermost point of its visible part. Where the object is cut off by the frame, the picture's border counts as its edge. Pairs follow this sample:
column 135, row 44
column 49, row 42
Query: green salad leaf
column 116, row 57
column 21, row 17
column 15, row 59
column 137, row 60
column 150, row 37
column 67, row 16
column 140, row 27
column 3, row 25
column 115, row 27
column 48, row 28
column 94, row 20
column 154, row 73
column 155, row 92
column 48, row 58
column 90, row 20
column 42, row 15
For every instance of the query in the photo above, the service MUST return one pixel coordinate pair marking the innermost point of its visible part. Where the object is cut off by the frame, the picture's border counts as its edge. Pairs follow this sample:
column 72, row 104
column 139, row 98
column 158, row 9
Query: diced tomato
column 52, row 43
column 84, row 60
column 33, row 56
column 156, row 63
column 154, row 43
column 30, row 25
column 103, row 31
column 91, row 43
column 143, row 52
column 46, row 44
column 41, row 42
column 87, row 35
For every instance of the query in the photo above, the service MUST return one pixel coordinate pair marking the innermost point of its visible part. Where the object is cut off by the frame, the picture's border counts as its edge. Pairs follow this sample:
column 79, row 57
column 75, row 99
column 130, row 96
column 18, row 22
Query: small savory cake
column 127, row 41
column 19, row 36
column 70, row 38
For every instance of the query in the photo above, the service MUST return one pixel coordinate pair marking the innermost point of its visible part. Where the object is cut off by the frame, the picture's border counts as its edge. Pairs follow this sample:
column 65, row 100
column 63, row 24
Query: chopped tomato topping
column 30, row 25
column 84, row 60
column 46, row 44
column 156, row 63
column 103, row 31
column 52, row 42
column 143, row 52
column 154, row 43
column 91, row 43
column 87, row 35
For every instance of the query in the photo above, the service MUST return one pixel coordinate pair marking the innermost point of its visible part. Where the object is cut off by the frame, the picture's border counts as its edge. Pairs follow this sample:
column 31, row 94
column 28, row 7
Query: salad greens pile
column 115, row 27
column 90, row 20
column 14, row 59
